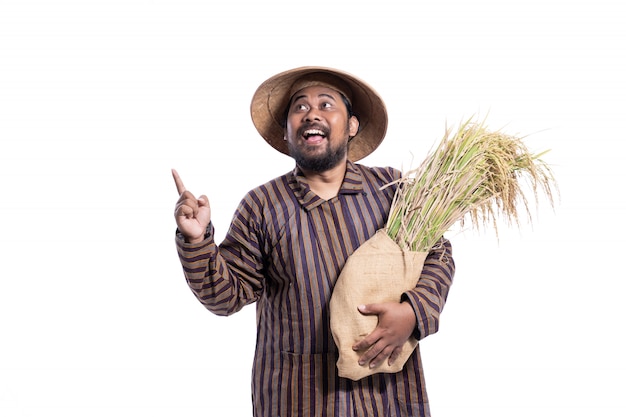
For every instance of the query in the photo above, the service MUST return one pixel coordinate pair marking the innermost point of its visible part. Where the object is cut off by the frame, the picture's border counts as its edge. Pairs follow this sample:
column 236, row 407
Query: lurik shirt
column 284, row 250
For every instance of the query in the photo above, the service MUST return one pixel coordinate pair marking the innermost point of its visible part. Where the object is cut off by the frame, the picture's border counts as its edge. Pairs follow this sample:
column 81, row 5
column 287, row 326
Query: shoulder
column 265, row 209
column 275, row 192
column 378, row 175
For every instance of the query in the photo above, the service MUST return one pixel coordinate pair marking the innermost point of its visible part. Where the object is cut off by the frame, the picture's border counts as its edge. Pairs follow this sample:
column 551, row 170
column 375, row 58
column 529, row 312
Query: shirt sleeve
column 225, row 277
column 429, row 296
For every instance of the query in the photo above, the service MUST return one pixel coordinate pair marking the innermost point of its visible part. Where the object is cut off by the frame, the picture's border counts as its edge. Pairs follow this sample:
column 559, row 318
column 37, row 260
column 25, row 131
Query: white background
column 100, row 99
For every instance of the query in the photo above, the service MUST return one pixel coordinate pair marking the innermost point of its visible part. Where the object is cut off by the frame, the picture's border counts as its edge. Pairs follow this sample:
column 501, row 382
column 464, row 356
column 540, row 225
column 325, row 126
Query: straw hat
column 272, row 98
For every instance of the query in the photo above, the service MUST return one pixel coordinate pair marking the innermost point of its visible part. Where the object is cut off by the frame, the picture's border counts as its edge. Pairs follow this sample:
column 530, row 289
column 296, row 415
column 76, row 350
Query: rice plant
column 474, row 175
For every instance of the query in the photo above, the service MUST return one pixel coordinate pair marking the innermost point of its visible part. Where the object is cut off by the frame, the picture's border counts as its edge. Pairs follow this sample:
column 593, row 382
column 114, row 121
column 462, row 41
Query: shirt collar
column 352, row 184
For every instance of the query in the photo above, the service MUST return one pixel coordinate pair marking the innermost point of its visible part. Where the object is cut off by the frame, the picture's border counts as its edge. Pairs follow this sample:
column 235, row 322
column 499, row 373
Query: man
column 288, row 241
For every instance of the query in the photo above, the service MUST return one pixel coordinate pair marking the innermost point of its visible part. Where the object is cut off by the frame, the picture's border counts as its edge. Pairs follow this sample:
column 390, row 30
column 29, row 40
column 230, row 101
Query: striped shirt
column 284, row 250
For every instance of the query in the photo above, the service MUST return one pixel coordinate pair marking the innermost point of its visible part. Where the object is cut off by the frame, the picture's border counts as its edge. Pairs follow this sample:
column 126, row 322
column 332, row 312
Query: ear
column 353, row 125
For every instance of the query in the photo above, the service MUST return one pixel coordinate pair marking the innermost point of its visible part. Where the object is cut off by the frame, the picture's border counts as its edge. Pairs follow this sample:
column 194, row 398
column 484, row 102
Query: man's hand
column 192, row 215
column 396, row 322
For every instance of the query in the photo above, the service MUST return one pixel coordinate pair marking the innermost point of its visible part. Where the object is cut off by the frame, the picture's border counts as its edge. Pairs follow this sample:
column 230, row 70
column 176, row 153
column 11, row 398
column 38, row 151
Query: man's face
column 318, row 128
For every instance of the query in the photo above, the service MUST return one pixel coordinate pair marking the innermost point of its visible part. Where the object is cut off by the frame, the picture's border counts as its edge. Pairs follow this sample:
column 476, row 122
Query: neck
column 328, row 183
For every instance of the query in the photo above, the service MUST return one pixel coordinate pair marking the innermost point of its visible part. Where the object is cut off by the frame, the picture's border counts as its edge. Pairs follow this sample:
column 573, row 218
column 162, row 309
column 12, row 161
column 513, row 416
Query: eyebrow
column 320, row 95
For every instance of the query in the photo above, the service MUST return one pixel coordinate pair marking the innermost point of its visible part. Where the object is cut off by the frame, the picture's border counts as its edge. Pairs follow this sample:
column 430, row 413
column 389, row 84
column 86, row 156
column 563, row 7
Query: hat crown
column 321, row 79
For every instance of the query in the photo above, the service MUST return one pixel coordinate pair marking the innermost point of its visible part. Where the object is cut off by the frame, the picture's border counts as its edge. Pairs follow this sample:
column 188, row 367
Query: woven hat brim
column 272, row 97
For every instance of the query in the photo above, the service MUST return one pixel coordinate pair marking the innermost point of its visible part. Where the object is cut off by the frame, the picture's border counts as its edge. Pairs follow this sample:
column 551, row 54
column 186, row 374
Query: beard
column 329, row 158
column 325, row 161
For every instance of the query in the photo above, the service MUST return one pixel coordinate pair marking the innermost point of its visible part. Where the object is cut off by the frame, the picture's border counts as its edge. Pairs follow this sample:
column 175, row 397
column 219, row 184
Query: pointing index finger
column 180, row 187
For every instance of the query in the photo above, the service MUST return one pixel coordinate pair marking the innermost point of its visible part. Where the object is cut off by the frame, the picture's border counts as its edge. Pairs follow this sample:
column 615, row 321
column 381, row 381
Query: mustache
column 317, row 126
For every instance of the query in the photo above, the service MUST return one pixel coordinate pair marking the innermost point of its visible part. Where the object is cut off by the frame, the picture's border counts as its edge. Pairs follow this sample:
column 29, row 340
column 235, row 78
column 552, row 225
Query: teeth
column 313, row 132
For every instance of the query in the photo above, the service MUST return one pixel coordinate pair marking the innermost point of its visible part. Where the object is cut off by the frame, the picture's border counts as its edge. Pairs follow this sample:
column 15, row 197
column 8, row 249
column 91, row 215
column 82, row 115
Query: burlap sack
column 378, row 271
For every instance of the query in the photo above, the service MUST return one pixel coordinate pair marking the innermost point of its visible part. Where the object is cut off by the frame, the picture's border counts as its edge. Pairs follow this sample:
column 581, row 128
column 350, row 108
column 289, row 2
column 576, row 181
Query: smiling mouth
column 314, row 135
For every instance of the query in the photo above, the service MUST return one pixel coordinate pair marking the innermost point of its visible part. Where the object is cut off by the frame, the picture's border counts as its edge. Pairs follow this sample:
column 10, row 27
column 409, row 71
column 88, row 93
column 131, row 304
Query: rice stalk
column 473, row 175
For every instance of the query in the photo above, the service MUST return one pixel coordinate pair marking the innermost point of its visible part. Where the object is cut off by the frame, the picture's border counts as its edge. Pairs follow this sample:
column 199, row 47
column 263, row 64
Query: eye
column 300, row 107
column 327, row 105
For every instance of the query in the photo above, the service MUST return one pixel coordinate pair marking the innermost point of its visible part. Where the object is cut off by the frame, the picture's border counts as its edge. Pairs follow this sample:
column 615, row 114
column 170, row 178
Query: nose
column 312, row 115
